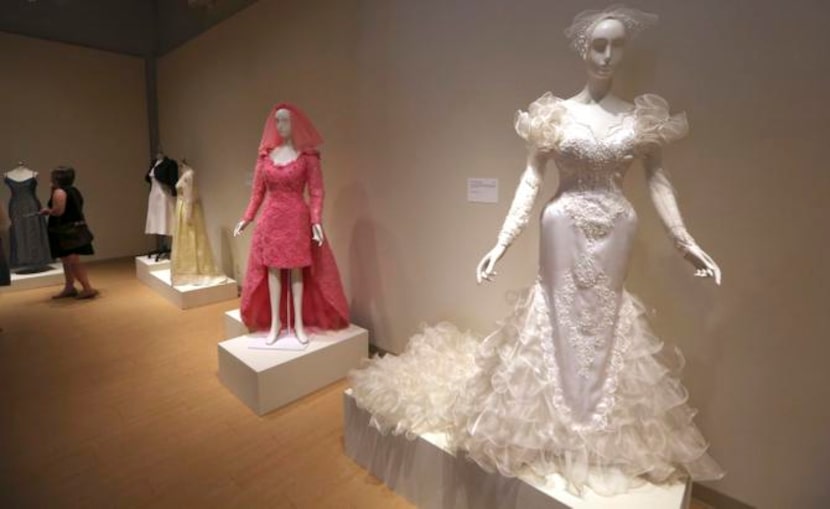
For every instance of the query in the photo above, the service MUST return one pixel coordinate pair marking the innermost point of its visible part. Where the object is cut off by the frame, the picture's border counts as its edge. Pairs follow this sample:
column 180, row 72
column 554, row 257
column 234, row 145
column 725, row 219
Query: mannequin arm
column 518, row 215
column 665, row 202
column 257, row 195
column 315, row 189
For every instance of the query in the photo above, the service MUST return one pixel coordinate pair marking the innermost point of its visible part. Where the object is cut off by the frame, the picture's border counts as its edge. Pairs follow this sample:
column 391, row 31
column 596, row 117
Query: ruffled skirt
column 500, row 402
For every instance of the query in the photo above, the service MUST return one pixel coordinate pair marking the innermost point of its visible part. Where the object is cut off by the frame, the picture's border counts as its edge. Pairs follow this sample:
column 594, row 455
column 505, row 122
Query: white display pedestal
column 156, row 275
column 233, row 324
column 146, row 264
column 51, row 277
column 267, row 379
column 424, row 472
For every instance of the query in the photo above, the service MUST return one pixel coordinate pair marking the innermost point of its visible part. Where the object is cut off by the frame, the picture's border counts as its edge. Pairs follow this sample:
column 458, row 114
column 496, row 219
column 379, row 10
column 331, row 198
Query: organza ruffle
column 540, row 124
column 653, row 122
column 415, row 392
column 500, row 404
column 543, row 122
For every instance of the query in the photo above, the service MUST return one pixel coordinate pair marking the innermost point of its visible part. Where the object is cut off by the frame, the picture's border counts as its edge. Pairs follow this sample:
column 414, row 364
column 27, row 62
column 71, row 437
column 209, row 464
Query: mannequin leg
column 297, row 292
column 274, row 288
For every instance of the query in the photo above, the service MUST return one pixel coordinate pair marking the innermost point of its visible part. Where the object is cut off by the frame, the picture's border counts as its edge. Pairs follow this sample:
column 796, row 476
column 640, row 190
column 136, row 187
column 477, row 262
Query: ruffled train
column 498, row 400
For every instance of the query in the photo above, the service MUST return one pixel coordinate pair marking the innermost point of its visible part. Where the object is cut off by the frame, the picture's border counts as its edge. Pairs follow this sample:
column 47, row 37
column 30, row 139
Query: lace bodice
column 590, row 161
column 587, row 161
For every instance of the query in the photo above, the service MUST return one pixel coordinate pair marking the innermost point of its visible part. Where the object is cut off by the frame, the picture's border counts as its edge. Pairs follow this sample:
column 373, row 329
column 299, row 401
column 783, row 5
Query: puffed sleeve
column 653, row 122
column 315, row 187
column 257, row 192
column 540, row 125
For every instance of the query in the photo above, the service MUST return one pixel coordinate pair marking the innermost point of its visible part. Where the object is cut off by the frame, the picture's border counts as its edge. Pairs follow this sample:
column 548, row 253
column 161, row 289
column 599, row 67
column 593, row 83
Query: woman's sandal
column 65, row 294
column 86, row 294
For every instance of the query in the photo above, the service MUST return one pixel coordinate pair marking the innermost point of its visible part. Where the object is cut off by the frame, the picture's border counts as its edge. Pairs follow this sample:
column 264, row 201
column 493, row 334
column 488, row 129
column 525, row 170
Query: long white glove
column 665, row 202
column 517, row 217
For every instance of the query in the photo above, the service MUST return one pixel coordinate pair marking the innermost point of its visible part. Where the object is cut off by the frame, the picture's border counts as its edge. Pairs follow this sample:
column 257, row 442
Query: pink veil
column 304, row 135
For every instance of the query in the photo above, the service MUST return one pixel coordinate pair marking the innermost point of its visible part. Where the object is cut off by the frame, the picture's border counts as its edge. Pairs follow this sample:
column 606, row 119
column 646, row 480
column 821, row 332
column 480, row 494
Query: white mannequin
column 598, row 109
column 282, row 155
column 21, row 173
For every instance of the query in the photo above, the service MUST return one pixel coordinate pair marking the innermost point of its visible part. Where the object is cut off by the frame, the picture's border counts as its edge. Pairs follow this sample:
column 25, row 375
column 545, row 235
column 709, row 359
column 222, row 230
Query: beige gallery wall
column 69, row 105
column 416, row 97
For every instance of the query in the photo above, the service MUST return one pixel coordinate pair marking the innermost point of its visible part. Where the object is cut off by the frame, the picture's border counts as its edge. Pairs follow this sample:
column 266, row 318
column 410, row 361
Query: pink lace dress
column 282, row 239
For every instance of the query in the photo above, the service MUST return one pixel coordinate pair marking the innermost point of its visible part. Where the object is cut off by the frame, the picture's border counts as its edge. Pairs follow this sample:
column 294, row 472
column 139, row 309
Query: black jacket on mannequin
column 166, row 172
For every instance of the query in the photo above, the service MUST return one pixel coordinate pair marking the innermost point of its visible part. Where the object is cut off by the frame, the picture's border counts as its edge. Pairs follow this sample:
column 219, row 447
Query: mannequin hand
column 317, row 234
column 704, row 264
column 44, row 211
column 486, row 267
column 237, row 231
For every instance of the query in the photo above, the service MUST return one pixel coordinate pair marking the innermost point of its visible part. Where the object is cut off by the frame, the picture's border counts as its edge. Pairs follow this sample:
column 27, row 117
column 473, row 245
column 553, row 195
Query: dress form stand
column 162, row 177
column 162, row 249
column 29, row 243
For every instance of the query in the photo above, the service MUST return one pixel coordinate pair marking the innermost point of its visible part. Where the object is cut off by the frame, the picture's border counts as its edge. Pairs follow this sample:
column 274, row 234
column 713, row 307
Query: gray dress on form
column 28, row 238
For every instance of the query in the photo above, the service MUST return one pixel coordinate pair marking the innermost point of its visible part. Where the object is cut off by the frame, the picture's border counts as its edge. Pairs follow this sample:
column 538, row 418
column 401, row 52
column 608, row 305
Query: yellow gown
column 191, row 260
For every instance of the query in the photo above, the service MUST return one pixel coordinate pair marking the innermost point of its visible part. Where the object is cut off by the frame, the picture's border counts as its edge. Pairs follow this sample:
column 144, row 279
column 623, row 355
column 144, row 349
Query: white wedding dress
column 573, row 381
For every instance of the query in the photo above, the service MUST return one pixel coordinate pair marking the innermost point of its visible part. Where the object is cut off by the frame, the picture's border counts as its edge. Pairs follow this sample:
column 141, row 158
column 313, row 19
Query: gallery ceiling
column 133, row 27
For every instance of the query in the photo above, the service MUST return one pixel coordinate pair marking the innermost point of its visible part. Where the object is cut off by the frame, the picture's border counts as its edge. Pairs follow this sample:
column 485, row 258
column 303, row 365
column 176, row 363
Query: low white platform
column 233, row 324
column 144, row 265
column 157, row 276
column 424, row 472
column 51, row 277
column 267, row 379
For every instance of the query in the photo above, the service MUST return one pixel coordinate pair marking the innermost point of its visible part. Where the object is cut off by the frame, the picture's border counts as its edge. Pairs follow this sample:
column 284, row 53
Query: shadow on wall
column 228, row 256
column 374, row 254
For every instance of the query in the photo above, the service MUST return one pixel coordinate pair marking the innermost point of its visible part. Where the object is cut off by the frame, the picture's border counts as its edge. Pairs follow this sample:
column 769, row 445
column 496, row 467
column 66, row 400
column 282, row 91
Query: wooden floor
column 115, row 402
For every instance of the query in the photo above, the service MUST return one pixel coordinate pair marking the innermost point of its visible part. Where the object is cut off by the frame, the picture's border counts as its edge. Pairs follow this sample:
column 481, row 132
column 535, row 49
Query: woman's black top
column 72, row 213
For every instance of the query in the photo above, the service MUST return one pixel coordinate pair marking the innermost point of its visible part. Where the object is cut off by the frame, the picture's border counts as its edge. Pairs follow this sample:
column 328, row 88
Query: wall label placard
column 482, row 190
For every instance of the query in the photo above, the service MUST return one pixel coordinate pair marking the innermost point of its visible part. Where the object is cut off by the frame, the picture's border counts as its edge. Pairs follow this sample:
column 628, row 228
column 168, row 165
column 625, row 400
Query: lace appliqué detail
column 542, row 326
column 595, row 215
column 586, row 304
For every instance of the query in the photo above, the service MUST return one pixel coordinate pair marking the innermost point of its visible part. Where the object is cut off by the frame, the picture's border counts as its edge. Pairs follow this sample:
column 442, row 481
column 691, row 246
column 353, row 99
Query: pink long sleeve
column 257, row 193
column 315, row 189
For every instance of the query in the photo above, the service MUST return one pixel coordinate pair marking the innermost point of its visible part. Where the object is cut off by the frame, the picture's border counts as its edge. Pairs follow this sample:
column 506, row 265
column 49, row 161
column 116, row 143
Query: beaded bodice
column 588, row 162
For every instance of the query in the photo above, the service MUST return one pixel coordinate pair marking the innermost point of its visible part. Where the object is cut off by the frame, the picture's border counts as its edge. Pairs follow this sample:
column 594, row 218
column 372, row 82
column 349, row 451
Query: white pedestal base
column 157, row 276
column 144, row 265
column 424, row 472
column 233, row 324
column 51, row 277
column 267, row 380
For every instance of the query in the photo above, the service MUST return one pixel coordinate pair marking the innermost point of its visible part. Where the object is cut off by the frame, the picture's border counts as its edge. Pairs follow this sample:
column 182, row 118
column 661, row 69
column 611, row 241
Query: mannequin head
column 282, row 118
column 615, row 22
column 287, row 124
column 606, row 44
